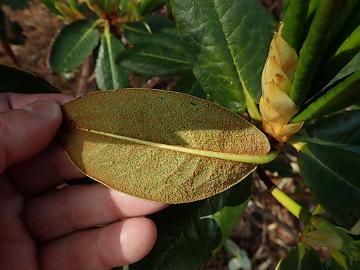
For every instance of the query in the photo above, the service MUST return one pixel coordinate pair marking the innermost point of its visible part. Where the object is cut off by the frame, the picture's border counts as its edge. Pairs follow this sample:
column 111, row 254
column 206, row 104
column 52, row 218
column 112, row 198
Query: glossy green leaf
column 161, row 145
column 189, row 85
column 294, row 21
column 230, row 40
column 148, row 6
column 159, row 50
column 301, row 258
column 160, row 54
column 73, row 44
column 10, row 32
column 340, row 128
column 345, row 8
column 353, row 21
column 108, row 73
column 352, row 66
column 329, row 164
column 50, row 4
column 15, row 4
column 342, row 95
column 333, row 265
column 190, row 234
column 312, row 50
column 136, row 32
column 20, row 81
column 343, row 55
column 313, row 6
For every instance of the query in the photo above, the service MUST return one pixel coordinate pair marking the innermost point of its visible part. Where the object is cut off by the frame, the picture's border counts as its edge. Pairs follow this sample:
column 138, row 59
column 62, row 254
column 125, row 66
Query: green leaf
column 312, row 50
column 353, row 21
column 74, row 43
column 329, row 163
column 294, row 21
column 11, row 32
column 333, row 265
column 50, row 4
column 347, row 51
column 230, row 40
column 20, row 81
column 136, row 32
column 301, row 258
column 109, row 74
column 345, row 9
column 159, row 50
column 190, row 234
column 189, row 85
column 161, row 54
column 187, row 148
column 15, row 4
column 148, row 6
column 342, row 95
column 340, row 128
column 350, row 68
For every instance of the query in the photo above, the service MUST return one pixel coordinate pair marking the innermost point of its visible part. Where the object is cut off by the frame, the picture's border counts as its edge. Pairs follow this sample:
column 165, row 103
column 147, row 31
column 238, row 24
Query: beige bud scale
column 276, row 106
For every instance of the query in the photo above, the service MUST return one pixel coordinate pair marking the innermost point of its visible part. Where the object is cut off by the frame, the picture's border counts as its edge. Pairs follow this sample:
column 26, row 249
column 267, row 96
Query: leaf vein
column 314, row 157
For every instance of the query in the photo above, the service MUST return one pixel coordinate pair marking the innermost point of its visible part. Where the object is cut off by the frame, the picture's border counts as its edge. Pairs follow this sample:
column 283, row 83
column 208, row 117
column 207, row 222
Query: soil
column 266, row 230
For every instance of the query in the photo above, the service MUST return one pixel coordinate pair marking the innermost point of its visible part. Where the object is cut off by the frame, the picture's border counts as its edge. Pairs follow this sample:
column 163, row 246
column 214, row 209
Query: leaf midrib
column 163, row 58
column 114, row 75
column 204, row 153
column 241, row 80
column 318, row 141
column 86, row 34
column 316, row 159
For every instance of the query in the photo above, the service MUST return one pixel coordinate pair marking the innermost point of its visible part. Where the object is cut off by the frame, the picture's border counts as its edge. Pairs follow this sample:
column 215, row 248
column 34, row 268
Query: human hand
column 42, row 227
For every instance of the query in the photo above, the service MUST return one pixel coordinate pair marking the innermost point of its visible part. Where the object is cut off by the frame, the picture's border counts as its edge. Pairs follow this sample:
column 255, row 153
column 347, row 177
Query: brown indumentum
column 276, row 106
column 133, row 140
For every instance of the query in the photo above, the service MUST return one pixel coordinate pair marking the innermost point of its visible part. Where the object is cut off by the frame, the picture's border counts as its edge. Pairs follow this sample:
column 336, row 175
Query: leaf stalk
column 293, row 207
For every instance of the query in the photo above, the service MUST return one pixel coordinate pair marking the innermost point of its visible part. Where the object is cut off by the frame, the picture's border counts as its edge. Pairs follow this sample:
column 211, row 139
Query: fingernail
column 43, row 108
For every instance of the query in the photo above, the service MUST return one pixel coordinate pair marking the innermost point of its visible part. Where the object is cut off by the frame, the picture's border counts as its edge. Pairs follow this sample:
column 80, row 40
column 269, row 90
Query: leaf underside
column 163, row 117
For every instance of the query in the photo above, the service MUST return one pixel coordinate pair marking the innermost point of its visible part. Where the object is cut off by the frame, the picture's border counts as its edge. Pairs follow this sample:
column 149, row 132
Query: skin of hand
column 46, row 227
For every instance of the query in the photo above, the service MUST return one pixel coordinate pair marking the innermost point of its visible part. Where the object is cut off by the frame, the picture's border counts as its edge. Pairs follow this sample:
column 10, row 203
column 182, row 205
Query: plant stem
column 292, row 206
column 252, row 107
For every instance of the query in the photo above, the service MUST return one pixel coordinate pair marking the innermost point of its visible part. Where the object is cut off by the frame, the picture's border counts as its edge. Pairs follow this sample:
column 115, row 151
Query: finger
column 47, row 170
column 14, row 237
column 114, row 245
column 10, row 101
column 81, row 207
column 25, row 132
column 17, row 101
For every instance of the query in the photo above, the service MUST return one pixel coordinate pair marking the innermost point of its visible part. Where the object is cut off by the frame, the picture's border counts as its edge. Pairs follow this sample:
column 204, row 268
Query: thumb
column 25, row 132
